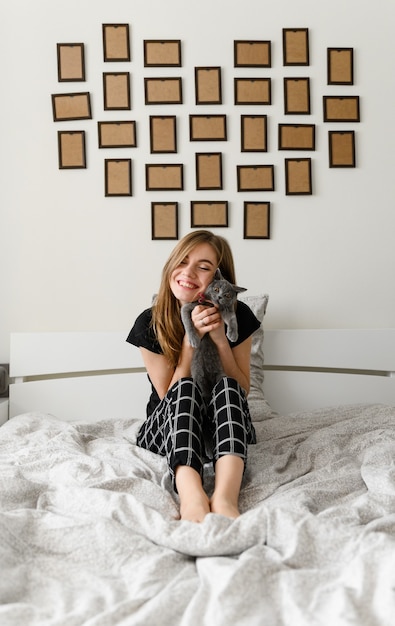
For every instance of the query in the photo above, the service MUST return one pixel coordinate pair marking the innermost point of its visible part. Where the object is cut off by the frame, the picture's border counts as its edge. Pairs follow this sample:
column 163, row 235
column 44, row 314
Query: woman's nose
column 189, row 270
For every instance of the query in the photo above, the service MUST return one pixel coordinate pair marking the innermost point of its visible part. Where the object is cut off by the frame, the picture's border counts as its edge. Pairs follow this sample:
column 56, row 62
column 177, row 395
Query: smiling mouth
column 187, row 285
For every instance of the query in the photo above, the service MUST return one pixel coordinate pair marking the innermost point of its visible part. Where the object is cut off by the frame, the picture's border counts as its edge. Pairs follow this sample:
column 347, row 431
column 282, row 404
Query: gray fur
column 206, row 367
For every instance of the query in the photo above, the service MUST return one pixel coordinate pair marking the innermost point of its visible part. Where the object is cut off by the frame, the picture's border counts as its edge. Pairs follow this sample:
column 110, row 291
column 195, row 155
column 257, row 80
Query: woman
column 178, row 421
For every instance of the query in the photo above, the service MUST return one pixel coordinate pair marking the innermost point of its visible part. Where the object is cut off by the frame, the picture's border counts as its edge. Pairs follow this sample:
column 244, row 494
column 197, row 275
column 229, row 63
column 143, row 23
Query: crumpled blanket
column 89, row 529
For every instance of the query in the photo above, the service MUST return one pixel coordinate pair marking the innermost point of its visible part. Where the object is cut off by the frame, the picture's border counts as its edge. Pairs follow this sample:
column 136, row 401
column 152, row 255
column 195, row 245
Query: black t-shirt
column 143, row 336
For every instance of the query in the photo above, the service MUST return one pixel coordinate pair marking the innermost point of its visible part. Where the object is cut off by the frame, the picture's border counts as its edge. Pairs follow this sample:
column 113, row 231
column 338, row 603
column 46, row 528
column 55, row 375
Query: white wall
column 72, row 259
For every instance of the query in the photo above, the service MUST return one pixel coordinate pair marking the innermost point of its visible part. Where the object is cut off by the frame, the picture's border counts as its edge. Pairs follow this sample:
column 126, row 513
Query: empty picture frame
column 296, row 46
column 209, row 214
column 298, row 177
column 71, row 61
column 256, row 220
column 209, row 170
column 207, row 127
column 341, row 148
column 296, row 136
column 71, row 149
column 252, row 53
column 117, row 134
column 116, row 91
column 160, row 177
column 340, row 63
column 163, row 90
column 164, row 220
column 71, row 106
column 118, row 177
column 208, row 87
column 297, row 96
column 252, row 91
column 116, row 42
column 253, row 133
column 255, row 178
column 163, row 133
column 341, row 109
column 162, row 53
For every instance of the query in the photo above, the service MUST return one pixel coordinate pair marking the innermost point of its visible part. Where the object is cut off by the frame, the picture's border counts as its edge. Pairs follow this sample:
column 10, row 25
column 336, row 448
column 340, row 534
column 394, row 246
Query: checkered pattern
column 185, row 430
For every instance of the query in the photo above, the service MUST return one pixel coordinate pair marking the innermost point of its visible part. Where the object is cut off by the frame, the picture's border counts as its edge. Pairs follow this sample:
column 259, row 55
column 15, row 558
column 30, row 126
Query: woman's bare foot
column 228, row 476
column 194, row 502
column 195, row 509
column 222, row 506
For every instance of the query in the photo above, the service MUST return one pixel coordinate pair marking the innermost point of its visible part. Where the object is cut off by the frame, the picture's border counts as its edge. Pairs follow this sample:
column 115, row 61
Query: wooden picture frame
column 209, row 214
column 121, row 134
column 166, row 90
column 208, row 85
column 116, row 91
column 207, row 128
column 340, row 64
column 255, row 178
column 297, row 96
column 253, row 133
column 296, row 46
column 298, row 179
column 256, row 91
column 71, row 62
column 71, row 149
column 71, row 106
column 118, row 177
column 252, row 53
column 162, row 53
column 256, row 220
column 341, row 148
column 164, row 177
column 163, row 134
column 341, row 109
column 116, row 42
column 209, row 170
column 296, row 136
column 164, row 220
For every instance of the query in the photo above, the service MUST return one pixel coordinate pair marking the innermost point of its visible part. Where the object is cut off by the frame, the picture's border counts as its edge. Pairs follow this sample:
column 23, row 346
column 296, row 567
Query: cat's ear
column 217, row 275
column 239, row 289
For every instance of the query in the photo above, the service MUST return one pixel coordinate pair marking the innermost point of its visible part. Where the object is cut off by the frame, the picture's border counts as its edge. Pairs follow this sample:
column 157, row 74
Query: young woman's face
column 194, row 273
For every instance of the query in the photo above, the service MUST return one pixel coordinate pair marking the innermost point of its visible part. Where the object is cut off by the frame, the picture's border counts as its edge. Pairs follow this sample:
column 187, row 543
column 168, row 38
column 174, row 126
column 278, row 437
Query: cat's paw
column 232, row 335
column 194, row 341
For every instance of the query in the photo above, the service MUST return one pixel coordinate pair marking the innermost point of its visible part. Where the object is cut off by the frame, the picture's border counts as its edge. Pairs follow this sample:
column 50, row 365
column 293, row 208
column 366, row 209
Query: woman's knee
column 229, row 383
column 186, row 385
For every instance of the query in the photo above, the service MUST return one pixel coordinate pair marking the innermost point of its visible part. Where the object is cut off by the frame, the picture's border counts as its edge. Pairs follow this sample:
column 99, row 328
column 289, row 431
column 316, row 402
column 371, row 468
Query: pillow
column 259, row 408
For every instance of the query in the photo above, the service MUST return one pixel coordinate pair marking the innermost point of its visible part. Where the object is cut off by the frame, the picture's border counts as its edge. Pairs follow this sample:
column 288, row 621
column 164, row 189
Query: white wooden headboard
column 86, row 375
column 92, row 375
column 310, row 369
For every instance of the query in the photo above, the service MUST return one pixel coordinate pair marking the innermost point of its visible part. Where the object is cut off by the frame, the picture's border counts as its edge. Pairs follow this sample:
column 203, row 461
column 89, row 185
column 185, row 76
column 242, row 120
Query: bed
column 89, row 530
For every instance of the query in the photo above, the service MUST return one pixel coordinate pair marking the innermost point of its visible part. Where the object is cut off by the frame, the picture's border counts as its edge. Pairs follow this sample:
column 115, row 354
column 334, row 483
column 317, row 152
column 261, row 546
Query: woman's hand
column 207, row 319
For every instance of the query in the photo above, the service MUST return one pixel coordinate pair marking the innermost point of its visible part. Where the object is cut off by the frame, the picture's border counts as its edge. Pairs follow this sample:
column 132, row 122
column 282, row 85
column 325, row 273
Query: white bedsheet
column 89, row 532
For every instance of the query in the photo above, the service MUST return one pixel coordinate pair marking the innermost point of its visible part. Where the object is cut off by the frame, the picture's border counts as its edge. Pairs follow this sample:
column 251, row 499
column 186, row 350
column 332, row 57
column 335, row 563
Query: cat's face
column 194, row 274
column 222, row 293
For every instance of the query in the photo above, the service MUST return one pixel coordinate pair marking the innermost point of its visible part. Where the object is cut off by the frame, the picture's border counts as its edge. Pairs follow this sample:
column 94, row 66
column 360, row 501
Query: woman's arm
column 236, row 361
column 161, row 373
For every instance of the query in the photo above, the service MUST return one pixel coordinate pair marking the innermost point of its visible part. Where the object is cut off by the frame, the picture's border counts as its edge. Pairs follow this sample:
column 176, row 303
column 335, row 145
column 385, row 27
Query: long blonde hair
column 166, row 320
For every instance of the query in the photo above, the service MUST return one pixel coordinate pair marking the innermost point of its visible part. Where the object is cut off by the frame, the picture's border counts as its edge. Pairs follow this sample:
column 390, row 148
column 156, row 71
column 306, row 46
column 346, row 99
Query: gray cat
column 206, row 367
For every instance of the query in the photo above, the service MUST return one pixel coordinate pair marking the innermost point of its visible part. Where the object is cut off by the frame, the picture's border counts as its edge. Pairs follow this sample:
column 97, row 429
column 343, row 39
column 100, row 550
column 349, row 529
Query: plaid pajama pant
column 185, row 430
